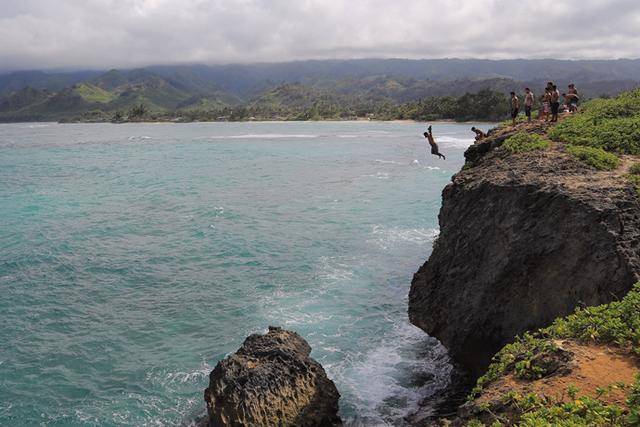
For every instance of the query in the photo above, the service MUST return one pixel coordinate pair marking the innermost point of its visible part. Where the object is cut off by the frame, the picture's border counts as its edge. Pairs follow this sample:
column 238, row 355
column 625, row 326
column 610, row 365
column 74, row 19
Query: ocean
column 134, row 257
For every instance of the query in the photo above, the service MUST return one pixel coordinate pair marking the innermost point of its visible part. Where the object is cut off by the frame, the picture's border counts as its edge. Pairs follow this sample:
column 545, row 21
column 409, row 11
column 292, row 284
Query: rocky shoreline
column 526, row 238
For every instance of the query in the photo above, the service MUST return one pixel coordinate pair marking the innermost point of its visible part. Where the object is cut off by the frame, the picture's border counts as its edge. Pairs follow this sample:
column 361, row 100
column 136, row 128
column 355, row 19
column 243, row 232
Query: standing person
column 515, row 107
column 432, row 143
column 555, row 103
column 544, row 106
column 572, row 94
column 529, row 98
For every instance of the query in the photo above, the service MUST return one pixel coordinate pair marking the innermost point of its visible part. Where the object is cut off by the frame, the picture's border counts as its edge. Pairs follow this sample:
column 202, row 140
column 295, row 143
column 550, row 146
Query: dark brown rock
column 271, row 381
column 524, row 239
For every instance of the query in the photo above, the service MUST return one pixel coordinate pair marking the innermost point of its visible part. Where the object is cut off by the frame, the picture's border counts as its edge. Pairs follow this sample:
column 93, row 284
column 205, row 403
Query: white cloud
column 127, row 33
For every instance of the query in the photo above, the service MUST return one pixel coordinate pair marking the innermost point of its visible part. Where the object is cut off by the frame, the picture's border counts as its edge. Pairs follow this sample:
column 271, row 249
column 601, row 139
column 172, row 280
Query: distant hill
column 352, row 86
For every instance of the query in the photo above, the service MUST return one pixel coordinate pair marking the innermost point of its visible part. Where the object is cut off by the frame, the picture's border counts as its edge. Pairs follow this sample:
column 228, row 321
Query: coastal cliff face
column 524, row 238
column 271, row 381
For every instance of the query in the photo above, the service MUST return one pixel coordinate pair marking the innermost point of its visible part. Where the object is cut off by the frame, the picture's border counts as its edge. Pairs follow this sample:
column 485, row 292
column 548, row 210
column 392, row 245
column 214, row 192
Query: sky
column 99, row 34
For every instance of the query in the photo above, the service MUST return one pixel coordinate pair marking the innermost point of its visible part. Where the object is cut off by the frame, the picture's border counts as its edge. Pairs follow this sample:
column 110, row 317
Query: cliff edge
column 525, row 238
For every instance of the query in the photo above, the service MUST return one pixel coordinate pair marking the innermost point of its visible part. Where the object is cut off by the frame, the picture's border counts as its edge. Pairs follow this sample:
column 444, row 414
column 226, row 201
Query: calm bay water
column 134, row 257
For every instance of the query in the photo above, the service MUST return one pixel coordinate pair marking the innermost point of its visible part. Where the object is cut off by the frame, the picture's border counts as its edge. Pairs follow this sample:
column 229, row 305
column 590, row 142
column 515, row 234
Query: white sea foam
column 165, row 377
column 449, row 141
column 391, row 380
column 385, row 237
column 139, row 138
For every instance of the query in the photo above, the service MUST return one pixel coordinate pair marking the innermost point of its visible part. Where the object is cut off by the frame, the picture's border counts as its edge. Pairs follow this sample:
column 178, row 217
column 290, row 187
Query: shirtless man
column 432, row 143
column 479, row 134
column 555, row 103
column 528, row 103
column 515, row 107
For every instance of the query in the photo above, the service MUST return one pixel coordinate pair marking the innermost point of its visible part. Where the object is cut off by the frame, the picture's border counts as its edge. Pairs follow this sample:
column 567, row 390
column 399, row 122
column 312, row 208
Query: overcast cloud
column 41, row 34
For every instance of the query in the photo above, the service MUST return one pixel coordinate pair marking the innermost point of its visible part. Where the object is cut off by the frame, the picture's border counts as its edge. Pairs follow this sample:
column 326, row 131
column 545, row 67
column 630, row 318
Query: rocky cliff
column 271, row 381
column 524, row 238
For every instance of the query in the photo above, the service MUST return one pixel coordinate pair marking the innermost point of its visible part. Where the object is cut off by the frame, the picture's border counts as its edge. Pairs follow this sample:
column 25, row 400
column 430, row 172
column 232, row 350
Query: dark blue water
column 134, row 257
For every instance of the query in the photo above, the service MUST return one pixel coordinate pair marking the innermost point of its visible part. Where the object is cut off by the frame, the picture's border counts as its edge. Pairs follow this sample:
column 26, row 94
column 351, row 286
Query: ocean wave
column 391, row 162
column 264, row 136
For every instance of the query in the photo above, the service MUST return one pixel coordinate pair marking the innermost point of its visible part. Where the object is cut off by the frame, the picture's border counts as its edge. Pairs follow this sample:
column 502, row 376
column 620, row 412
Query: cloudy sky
column 46, row 34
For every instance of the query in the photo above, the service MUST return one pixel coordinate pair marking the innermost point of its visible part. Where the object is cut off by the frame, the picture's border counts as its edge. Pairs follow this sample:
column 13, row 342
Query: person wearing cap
column 528, row 103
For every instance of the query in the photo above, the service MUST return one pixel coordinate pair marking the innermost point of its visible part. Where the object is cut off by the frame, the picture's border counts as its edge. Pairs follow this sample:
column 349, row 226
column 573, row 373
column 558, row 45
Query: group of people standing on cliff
column 548, row 110
column 549, row 103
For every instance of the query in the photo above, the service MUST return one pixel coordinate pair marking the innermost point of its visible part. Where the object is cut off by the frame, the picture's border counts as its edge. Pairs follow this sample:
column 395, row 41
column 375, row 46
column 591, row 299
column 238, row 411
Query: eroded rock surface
column 271, row 381
column 524, row 238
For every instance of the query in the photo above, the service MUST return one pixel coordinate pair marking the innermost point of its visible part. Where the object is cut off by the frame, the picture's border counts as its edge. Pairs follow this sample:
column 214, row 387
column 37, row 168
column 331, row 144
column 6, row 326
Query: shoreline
column 171, row 122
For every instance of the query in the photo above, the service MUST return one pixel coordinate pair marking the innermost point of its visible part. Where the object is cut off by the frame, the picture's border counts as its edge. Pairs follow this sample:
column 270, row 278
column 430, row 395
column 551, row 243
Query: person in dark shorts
column 515, row 107
column 432, row 143
column 555, row 103
column 479, row 134
column 529, row 99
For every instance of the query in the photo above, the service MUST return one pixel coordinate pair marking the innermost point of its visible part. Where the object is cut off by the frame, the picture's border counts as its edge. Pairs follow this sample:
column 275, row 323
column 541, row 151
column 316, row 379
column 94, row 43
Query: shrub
column 595, row 157
column 610, row 124
column 616, row 323
column 635, row 169
column 523, row 141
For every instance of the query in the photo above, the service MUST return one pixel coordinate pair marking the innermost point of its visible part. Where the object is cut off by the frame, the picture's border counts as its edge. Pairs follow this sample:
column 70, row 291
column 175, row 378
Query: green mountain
column 304, row 89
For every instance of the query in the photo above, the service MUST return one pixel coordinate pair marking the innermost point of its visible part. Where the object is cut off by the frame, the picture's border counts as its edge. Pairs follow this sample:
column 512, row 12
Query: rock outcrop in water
column 271, row 381
column 524, row 238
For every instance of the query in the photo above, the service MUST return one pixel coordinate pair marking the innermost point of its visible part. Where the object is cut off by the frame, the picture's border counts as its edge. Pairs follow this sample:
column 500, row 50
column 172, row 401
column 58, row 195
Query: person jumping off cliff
column 432, row 143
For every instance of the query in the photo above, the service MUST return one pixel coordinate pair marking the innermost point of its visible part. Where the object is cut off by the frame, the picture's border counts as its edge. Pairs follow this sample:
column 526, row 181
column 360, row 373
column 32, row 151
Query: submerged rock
column 271, row 381
column 524, row 238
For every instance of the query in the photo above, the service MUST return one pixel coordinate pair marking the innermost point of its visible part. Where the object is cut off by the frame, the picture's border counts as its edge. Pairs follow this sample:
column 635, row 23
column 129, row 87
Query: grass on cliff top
column 595, row 157
column 523, row 141
column 616, row 323
column 610, row 124
column 534, row 410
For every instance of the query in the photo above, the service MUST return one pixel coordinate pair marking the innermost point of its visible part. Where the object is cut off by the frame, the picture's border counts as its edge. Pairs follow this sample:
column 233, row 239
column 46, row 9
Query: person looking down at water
column 479, row 134
column 432, row 143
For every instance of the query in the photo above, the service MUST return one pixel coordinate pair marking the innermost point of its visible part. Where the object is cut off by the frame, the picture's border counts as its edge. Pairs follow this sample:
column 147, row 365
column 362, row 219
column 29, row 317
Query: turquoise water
column 134, row 257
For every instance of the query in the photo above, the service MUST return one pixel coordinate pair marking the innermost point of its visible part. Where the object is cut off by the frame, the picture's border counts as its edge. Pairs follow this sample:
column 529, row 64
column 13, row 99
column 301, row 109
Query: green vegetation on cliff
column 535, row 355
column 595, row 157
column 610, row 124
column 523, row 141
